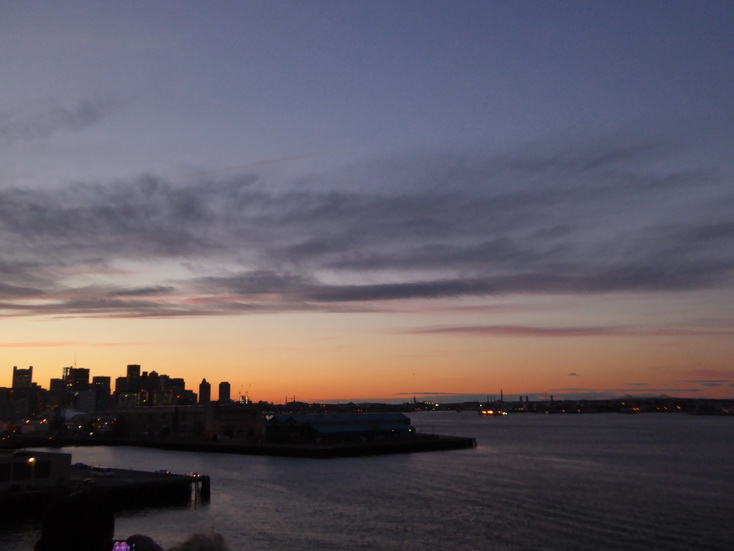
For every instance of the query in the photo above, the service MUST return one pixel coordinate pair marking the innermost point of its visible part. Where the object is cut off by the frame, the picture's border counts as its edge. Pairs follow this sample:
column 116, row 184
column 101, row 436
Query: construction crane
column 246, row 398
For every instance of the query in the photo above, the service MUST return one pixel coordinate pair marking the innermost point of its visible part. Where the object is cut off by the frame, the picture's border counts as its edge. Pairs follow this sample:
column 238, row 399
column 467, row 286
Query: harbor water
column 595, row 481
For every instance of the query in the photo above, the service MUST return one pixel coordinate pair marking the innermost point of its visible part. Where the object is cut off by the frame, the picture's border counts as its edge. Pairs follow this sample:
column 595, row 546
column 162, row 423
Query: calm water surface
column 607, row 481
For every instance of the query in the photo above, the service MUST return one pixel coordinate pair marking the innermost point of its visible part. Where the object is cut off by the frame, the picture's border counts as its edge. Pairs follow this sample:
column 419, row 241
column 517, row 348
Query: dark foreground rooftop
column 121, row 488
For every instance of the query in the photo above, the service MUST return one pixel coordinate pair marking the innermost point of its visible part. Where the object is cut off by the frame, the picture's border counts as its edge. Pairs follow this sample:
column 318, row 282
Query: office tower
column 102, row 387
column 22, row 378
column 101, row 383
column 178, row 386
column 205, row 392
column 57, row 385
column 133, row 378
column 224, row 391
column 121, row 385
column 133, row 371
column 76, row 378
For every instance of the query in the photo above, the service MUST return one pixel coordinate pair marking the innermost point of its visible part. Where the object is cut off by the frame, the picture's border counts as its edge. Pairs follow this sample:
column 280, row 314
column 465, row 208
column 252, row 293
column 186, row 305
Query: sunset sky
column 371, row 200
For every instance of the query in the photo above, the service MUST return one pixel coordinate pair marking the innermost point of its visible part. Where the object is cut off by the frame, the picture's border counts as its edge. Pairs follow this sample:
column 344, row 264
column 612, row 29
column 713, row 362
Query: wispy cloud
column 709, row 374
column 587, row 393
column 59, row 344
column 42, row 120
column 582, row 331
column 583, row 221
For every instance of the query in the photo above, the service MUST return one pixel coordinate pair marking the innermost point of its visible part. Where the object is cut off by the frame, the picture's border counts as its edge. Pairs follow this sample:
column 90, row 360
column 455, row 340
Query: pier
column 121, row 488
column 416, row 444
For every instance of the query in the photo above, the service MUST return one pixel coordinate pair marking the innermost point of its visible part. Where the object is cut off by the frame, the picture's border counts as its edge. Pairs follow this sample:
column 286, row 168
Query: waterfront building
column 23, row 469
column 342, row 427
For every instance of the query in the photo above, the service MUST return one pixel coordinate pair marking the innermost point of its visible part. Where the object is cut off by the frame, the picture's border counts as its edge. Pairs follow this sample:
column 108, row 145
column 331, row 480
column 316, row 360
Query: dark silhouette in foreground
column 202, row 542
column 78, row 522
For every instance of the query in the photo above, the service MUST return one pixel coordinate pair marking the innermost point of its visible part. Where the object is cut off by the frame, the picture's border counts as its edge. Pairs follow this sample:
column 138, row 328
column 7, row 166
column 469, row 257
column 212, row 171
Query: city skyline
column 372, row 200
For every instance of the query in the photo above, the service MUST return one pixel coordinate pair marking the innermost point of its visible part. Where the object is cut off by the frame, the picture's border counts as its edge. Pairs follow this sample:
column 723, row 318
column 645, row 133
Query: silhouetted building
column 22, row 378
column 224, row 392
column 205, row 392
column 178, row 386
column 201, row 422
column 24, row 399
column 83, row 400
column 56, row 392
column 76, row 378
column 24, row 469
column 142, row 388
column 11, row 409
column 101, row 387
column 133, row 371
column 188, row 397
column 340, row 427
column 133, row 378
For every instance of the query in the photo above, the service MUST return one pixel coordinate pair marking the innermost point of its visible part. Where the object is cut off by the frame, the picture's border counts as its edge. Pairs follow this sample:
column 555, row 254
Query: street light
column 32, row 461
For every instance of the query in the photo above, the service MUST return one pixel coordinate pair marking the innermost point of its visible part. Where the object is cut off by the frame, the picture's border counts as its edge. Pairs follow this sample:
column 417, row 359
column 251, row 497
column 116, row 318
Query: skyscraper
column 224, row 391
column 133, row 371
column 22, row 378
column 76, row 378
column 101, row 387
column 205, row 392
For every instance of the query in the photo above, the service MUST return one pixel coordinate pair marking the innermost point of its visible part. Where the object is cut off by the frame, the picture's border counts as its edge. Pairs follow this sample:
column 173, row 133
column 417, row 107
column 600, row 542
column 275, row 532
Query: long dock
column 419, row 443
column 415, row 444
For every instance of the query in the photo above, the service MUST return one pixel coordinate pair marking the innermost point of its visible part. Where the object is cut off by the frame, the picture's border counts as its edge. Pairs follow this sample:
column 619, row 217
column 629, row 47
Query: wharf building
column 32, row 470
column 340, row 428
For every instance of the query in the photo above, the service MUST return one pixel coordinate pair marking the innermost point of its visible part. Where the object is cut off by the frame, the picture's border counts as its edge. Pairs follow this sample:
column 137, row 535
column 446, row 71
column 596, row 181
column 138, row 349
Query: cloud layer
column 577, row 220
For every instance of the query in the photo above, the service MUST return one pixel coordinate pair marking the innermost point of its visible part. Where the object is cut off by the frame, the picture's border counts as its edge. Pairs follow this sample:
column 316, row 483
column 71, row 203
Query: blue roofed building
column 337, row 428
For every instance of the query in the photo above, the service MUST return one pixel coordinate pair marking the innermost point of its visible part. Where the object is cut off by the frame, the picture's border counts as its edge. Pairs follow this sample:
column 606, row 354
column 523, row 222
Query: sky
column 371, row 200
